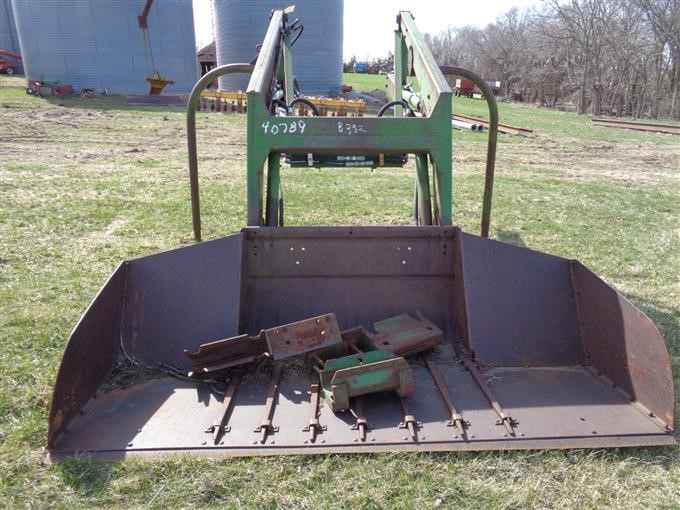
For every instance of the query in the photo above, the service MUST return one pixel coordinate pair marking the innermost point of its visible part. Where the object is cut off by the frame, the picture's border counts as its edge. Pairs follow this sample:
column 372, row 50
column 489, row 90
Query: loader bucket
column 538, row 352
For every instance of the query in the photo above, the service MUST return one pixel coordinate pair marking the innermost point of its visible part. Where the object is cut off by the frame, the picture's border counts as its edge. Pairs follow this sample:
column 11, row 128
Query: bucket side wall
column 90, row 354
column 625, row 346
column 520, row 305
column 182, row 298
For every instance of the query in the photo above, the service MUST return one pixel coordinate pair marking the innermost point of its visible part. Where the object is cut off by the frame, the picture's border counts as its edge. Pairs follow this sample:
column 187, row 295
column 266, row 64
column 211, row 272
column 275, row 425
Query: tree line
column 606, row 57
column 375, row 64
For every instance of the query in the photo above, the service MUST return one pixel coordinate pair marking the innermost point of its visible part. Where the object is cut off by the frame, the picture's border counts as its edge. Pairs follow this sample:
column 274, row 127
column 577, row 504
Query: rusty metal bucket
column 538, row 352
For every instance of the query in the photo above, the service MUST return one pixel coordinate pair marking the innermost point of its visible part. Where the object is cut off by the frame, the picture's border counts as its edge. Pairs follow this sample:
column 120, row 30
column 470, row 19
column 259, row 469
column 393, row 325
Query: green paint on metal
column 367, row 372
column 270, row 135
column 354, row 360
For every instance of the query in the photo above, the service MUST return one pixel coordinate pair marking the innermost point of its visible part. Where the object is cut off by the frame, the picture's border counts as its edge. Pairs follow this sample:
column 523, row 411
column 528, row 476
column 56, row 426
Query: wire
column 164, row 368
column 148, row 39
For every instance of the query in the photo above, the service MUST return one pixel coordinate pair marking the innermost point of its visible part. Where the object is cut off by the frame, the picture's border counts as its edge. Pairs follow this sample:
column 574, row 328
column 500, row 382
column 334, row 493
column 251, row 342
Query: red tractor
column 9, row 66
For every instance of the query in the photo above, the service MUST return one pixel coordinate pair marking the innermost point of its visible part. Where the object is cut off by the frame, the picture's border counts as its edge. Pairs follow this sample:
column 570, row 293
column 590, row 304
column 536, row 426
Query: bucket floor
column 556, row 407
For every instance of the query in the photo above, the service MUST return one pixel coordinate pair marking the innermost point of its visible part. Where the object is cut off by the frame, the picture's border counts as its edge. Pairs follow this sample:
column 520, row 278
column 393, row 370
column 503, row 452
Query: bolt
column 129, row 444
column 203, row 443
column 323, row 440
column 594, row 431
column 405, row 438
column 423, row 437
column 271, row 442
column 305, row 441
column 139, row 430
column 355, row 439
column 521, row 434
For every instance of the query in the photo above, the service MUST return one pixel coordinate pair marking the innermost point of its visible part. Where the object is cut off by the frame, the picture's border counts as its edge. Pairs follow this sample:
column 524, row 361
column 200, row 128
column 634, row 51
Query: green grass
column 365, row 82
column 86, row 183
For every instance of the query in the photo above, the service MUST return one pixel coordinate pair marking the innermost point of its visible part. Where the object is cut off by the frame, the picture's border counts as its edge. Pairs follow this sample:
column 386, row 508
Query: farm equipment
column 236, row 101
column 9, row 66
column 280, row 340
column 157, row 83
column 40, row 88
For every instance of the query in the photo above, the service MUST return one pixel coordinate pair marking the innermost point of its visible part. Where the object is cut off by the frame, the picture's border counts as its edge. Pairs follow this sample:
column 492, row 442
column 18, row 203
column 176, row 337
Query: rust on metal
column 367, row 372
column 456, row 417
column 313, row 427
column 267, row 427
column 221, row 354
column 670, row 129
column 157, row 83
column 221, row 425
column 410, row 422
column 361, row 423
column 278, row 343
column 516, row 309
column 303, row 336
column 534, row 370
column 504, row 418
column 404, row 336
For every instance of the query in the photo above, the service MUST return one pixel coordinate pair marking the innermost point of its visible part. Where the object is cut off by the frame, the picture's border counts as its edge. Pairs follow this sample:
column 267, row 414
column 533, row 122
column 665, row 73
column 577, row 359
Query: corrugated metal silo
column 8, row 30
column 239, row 25
column 98, row 43
column 9, row 40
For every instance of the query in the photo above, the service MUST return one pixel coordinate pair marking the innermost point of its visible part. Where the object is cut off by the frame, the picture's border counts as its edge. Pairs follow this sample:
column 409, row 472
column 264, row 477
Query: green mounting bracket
column 362, row 373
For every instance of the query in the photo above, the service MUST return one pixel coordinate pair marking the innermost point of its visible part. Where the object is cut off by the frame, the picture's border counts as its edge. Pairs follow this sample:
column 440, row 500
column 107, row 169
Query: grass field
column 365, row 82
column 85, row 183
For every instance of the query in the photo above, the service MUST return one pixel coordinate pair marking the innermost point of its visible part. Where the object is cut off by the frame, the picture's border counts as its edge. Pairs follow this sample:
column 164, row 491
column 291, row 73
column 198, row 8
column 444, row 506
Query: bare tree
column 664, row 19
column 620, row 57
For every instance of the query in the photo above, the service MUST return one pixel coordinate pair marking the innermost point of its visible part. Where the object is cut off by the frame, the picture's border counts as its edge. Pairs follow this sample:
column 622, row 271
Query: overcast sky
column 369, row 24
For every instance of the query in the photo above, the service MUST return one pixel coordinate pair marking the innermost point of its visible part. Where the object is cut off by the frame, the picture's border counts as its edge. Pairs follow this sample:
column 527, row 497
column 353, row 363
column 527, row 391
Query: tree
column 619, row 57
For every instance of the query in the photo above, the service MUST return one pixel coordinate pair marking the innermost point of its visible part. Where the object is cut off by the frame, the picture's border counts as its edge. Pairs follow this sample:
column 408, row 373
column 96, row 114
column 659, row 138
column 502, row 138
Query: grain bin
column 239, row 25
column 99, row 44
column 8, row 29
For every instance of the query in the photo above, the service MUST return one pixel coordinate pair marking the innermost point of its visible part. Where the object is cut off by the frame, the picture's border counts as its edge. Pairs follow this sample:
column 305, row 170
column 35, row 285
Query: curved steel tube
column 493, row 139
column 191, row 134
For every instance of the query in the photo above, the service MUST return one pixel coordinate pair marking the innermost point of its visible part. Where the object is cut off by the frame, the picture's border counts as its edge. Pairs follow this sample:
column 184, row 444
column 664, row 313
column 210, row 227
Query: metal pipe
column 493, row 139
column 192, row 103
column 459, row 124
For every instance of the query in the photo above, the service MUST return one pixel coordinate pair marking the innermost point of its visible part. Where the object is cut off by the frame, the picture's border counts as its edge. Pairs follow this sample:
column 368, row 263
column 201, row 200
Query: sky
column 369, row 24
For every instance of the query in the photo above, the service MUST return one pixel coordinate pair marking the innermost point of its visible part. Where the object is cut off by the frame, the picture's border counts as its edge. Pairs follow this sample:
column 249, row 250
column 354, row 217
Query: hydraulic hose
column 392, row 104
column 305, row 102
